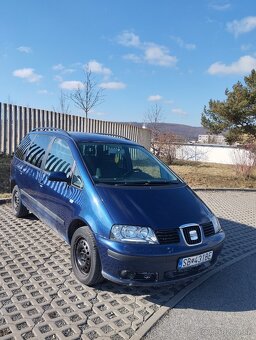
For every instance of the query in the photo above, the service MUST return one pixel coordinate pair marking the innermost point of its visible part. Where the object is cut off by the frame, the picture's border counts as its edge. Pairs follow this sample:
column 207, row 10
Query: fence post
column 1, row 128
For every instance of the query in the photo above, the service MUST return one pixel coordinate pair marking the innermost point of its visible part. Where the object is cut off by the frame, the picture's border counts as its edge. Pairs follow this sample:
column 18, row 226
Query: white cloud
column 96, row 67
column 155, row 98
column 58, row 67
column 27, row 74
column 68, row 70
column 220, row 6
column 62, row 69
column 133, row 57
column 71, row 85
column 127, row 38
column 24, row 49
column 179, row 111
column 58, row 78
column 183, row 44
column 151, row 53
column 242, row 66
column 244, row 25
column 159, row 55
column 113, row 85
column 246, row 47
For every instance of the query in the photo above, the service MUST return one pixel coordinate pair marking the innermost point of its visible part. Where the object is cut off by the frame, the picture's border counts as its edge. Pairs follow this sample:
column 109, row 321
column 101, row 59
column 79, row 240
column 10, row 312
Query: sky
column 141, row 53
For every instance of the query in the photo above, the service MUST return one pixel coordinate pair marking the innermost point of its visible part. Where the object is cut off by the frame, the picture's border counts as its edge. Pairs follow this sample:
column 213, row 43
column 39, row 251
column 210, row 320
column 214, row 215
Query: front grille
column 186, row 232
column 208, row 229
column 168, row 236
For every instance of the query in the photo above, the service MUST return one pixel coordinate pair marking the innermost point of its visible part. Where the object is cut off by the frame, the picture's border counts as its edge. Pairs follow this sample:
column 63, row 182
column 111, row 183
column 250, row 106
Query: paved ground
column 40, row 297
column 221, row 308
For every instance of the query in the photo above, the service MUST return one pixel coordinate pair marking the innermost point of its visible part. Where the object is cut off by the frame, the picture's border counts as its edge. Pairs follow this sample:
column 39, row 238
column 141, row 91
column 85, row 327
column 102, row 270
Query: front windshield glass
column 124, row 164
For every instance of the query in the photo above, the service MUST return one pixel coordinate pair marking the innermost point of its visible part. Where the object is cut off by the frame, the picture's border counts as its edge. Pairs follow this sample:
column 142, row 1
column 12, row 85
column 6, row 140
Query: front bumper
column 150, row 265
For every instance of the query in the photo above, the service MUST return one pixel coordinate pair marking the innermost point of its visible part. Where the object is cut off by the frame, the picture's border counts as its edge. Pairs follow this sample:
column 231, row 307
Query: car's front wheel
column 85, row 257
column 18, row 208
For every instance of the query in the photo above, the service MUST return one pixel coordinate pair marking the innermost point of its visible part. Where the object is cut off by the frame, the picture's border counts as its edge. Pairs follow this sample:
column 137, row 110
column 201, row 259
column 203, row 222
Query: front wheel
column 85, row 258
column 18, row 208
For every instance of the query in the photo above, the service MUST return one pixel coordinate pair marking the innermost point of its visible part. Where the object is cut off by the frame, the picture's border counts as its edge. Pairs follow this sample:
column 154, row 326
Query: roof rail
column 110, row 134
column 50, row 129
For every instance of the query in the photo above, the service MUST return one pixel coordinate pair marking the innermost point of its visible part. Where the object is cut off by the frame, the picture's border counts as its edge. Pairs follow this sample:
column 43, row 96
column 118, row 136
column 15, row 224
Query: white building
column 211, row 139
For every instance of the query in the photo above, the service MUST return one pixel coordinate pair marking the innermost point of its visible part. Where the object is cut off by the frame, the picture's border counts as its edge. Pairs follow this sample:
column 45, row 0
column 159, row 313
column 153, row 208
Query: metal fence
column 16, row 121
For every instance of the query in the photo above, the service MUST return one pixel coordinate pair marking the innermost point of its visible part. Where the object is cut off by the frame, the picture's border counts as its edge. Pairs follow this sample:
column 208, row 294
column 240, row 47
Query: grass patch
column 211, row 175
column 5, row 162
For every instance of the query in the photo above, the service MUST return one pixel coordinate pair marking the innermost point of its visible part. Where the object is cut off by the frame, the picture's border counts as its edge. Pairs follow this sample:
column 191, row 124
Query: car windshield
column 124, row 164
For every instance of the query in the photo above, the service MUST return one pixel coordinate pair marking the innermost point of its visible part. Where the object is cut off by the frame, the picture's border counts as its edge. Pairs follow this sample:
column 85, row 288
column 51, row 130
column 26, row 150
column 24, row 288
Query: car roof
column 86, row 137
column 98, row 137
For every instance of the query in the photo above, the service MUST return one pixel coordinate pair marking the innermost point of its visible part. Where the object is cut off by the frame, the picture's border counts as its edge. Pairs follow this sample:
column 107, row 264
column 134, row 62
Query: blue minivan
column 126, row 215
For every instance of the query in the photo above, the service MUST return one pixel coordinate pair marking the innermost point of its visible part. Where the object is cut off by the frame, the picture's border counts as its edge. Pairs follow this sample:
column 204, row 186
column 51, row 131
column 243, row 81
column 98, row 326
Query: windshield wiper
column 138, row 183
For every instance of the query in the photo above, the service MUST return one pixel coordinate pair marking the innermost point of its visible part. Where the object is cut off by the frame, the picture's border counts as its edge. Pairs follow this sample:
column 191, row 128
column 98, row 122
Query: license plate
column 196, row 260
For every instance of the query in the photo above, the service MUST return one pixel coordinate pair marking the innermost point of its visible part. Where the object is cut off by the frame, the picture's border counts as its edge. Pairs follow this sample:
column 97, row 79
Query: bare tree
column 64, row 106
column 245, row 159
column 87, row 96
column 162, row 143
column 167, row 147
column 154, row 117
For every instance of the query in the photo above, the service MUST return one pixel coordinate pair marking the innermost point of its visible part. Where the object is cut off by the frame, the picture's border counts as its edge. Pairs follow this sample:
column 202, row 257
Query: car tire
column 19, row 210
column 85, row 258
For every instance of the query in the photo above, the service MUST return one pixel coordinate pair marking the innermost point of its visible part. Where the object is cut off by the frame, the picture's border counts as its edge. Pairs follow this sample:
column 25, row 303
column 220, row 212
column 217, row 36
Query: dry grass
column 4, row 176
column 210, row 175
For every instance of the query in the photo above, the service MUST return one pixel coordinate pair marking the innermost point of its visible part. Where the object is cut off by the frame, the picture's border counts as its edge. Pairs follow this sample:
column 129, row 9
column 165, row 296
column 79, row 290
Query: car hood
column 154, row 206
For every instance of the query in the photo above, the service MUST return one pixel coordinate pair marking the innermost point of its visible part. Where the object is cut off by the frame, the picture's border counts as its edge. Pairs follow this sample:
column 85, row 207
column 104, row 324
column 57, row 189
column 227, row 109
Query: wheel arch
column 12, row 184
column 74, row 225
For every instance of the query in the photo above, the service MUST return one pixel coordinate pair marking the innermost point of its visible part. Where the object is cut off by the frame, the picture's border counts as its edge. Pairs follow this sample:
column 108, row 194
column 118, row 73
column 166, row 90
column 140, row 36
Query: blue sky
column 178, row 54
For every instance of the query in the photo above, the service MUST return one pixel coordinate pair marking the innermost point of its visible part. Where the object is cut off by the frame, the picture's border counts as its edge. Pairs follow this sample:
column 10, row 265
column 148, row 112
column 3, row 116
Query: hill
column 187, row 132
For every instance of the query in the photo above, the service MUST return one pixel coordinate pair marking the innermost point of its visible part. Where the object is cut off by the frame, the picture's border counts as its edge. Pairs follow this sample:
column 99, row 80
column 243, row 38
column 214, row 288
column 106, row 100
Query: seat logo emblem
column 193, row 235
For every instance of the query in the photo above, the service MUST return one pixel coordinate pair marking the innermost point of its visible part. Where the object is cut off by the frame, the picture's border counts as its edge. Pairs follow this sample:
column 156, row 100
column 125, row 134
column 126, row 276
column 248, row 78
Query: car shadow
column 231, row 290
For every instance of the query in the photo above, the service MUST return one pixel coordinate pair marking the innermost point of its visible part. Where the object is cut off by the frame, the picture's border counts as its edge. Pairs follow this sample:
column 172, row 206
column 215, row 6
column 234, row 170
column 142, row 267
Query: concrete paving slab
column 41, row 298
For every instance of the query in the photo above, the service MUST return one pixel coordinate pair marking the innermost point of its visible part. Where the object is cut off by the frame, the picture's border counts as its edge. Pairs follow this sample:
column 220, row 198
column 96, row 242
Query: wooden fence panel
column 17, row 121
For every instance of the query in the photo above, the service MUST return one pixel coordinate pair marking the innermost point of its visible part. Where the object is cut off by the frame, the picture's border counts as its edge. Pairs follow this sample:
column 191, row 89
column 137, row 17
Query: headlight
column 216, row 224
column 134, row 234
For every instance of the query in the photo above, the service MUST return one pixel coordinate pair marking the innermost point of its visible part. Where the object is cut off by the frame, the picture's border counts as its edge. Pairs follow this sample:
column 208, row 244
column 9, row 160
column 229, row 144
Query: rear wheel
column 18, row 208
column 85, row 258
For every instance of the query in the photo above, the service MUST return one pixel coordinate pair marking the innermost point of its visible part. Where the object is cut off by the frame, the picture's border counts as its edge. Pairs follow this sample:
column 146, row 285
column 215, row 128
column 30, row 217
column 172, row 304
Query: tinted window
column 37, row 150
column 60, row 157
column 24, row 145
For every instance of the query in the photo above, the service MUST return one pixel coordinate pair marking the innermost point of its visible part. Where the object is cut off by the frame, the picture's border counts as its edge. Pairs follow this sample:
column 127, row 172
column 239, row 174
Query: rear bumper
column 130, row 268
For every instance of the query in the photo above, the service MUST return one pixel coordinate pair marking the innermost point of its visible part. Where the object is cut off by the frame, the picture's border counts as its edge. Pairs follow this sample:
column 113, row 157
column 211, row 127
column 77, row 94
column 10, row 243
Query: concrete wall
column 213, row 154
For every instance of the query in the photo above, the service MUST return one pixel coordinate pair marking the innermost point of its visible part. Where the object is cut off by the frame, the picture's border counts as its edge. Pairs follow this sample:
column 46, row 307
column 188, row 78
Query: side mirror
column 58, row 176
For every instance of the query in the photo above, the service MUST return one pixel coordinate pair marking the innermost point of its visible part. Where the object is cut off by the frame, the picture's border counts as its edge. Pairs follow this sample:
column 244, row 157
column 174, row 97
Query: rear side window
column 23, row 147
column 37, row 150
column 59, row 158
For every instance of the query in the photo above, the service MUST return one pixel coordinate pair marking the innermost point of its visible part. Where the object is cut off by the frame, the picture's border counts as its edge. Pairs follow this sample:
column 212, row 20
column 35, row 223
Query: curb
column 225, row 189
column 182, row 294
column 5, row 200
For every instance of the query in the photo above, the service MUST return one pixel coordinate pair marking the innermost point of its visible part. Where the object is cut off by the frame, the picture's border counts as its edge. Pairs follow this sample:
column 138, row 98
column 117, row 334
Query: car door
column 58, row 197
column 31, row 172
